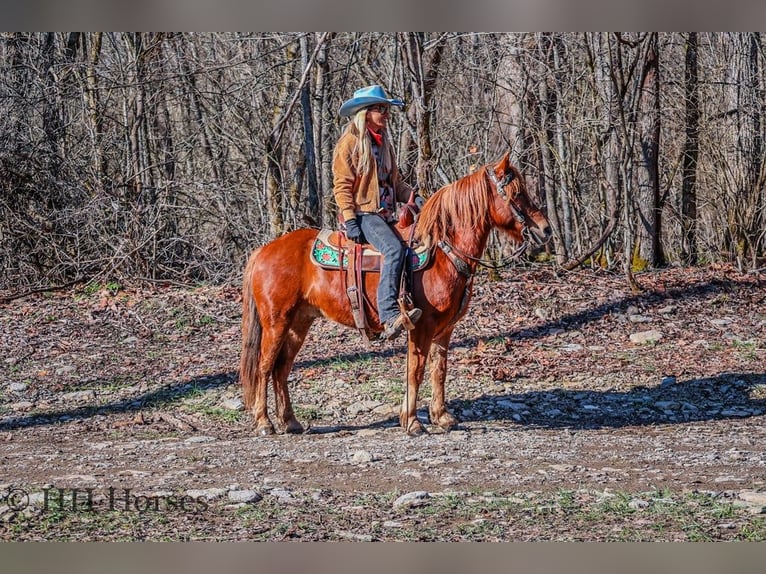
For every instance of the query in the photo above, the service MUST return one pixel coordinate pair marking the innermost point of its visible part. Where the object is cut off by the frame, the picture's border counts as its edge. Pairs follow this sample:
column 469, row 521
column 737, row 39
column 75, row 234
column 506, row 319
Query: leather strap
column 355, row 288
column 462, row 267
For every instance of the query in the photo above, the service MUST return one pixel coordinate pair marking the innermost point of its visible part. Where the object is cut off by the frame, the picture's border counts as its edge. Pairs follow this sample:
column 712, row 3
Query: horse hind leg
column 254, row 370
column 284, row 364
column 269, row 345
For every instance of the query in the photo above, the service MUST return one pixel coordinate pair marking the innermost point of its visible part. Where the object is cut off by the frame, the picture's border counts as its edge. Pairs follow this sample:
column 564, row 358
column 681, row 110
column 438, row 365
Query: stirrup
column 403, row 321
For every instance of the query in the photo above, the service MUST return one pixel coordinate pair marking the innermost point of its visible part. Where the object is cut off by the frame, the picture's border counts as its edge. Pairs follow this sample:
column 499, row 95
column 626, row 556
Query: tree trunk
column 325, row 141
column 609, row 148
column 313, row 214
column 547, row 104
column 648, row 173
column 423, row 72
column 93, row 105
column 689, row 254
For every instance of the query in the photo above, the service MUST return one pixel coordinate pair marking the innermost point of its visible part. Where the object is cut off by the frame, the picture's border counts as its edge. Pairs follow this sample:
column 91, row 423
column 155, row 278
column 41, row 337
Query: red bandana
column 377, row 138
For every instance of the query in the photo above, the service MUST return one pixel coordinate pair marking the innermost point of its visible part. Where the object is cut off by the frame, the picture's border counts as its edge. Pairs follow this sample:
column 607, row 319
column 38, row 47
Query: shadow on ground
column 164, row 395
column 725, row 396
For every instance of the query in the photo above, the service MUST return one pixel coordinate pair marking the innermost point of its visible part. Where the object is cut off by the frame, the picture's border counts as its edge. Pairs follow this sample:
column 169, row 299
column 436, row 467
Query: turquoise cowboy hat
column 368, row 96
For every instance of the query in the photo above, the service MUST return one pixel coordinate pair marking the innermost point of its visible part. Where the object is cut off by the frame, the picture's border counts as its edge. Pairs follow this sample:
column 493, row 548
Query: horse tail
column 251, row 336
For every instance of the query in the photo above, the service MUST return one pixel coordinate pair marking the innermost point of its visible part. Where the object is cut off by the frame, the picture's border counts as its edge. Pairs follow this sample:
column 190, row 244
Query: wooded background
column 169, row 156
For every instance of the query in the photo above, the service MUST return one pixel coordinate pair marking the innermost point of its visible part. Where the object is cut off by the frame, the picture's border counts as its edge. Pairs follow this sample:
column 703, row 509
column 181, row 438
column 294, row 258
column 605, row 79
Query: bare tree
column 691, row 153
column 422, row 58
column 650, row 203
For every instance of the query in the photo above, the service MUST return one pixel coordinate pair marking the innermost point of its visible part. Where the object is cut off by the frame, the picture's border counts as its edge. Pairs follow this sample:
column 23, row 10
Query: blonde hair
column 358, row 126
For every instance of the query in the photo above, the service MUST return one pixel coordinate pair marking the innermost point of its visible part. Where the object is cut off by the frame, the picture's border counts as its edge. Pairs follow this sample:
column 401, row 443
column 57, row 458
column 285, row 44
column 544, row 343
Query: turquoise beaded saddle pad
column 327, row 254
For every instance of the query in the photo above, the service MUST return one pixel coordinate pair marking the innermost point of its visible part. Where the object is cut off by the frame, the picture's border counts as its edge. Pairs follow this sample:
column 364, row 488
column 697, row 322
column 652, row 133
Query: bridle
column 500, row 187
column 459, row 257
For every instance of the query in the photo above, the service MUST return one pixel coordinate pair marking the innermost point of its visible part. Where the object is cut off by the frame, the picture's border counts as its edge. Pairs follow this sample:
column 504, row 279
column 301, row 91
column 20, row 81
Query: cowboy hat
column 364, row 97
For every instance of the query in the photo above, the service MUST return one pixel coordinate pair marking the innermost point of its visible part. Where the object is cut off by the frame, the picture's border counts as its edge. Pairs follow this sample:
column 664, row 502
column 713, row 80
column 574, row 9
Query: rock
column 22, row 406
column 666, row 404
column 639, row 319
column 17, row 387
column 513, row 405
column 646, row 337
column 362, row 407
column 754, row 501
column 80, row 396
column 392, row 524
column 412, row 499
column 208, row 493
column 234, row 404
column 198, row 439
column 362, row 456
column 282, row 494
column 722, row 322
column 571, row 348
column 37, row 499
column 386, row 410
column 66, row 370
column 736, row 412
column 353, row 536
column 246, row 496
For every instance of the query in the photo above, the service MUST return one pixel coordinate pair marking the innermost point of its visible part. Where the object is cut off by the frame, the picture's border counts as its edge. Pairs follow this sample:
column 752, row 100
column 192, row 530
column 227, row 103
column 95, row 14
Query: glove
column 353, row 232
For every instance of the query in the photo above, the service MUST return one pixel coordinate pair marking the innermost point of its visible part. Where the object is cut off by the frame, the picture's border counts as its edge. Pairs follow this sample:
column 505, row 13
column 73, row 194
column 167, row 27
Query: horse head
column 512, row 210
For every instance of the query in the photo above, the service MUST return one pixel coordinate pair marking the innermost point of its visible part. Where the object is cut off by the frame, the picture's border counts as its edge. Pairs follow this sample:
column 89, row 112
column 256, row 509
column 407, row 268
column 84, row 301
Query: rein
column 458, row 258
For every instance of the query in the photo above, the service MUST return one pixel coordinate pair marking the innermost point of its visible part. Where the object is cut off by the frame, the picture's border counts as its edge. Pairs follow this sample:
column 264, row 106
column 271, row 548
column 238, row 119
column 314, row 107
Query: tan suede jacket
column 359, row 193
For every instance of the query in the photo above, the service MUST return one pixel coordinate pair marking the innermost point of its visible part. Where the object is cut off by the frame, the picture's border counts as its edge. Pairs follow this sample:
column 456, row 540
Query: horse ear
column 503, row 167
column 505, row 162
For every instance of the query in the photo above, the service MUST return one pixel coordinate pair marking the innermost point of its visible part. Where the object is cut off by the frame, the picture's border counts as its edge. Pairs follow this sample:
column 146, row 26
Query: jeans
column 382, row 237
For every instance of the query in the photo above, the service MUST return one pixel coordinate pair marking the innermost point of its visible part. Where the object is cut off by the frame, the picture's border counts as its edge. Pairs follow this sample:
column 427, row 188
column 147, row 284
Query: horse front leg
column 417, row 351
column 437, row 411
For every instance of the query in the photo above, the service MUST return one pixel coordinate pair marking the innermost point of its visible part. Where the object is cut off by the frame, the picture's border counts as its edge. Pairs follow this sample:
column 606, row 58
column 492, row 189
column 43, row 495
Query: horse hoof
column 293, row 427
column 264, row 430
column 415, row 428
column 446, row 422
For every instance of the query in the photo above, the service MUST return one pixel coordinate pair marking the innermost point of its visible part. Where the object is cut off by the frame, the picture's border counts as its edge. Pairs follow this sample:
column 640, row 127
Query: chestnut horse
column 284, row 292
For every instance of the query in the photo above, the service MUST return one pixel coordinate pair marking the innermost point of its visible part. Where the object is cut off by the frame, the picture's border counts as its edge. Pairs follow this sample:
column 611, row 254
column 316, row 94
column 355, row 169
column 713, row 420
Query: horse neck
column 471, row 240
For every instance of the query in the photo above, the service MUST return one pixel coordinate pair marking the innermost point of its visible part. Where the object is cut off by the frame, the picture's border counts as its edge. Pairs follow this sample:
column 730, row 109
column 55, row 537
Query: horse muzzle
column 538, row 235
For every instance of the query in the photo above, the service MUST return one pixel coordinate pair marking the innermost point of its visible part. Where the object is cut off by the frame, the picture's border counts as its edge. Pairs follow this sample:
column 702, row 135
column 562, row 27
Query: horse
column 284, row 292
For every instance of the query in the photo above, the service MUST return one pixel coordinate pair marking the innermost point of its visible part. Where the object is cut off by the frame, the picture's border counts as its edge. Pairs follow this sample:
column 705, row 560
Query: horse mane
column 463, row 203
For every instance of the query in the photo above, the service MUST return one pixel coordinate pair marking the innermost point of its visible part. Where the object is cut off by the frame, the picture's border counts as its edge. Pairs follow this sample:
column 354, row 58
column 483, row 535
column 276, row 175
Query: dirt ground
column 587, row 413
